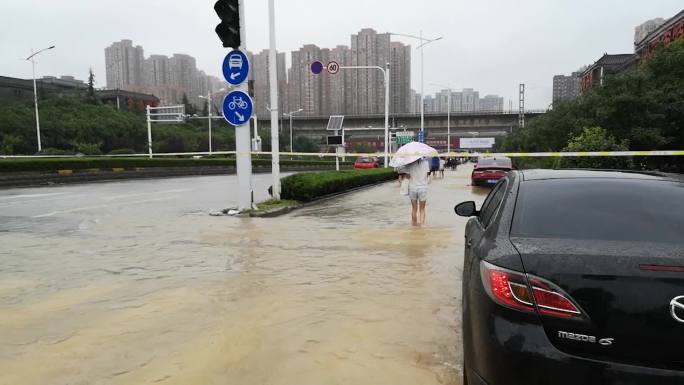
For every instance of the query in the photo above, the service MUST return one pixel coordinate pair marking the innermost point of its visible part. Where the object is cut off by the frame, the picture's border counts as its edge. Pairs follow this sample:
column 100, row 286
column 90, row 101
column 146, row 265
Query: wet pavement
column 133, row 283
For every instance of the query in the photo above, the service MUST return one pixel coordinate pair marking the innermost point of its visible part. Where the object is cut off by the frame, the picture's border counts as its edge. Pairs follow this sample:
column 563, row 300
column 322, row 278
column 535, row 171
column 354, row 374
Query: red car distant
column 488, row 171
column 366, row 163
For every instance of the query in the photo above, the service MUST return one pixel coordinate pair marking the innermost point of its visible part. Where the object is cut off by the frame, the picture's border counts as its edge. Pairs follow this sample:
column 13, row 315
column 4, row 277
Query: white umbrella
column 410, row 153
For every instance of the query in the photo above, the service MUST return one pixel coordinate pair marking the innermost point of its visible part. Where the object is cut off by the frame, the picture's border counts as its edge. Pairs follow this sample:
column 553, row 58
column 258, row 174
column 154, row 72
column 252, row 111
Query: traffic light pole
column 243, row 138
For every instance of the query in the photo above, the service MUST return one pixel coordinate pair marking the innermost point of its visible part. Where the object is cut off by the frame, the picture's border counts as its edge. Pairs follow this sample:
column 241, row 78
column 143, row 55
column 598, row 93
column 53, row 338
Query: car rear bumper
column 477, row 181
column 514, row 353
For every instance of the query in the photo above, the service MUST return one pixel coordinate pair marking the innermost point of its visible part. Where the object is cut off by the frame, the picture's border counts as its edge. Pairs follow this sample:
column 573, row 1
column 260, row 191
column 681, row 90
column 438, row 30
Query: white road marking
column 31, row 195
column 41, row 200
column 116, row 197
column 103, row 207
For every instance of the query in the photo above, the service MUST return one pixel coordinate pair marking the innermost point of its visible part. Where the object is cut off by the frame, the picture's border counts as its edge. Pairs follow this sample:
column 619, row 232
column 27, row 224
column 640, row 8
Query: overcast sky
column 489, row 45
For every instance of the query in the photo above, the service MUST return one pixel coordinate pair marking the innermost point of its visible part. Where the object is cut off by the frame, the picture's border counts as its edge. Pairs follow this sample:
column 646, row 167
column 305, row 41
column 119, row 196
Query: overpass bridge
column 483, row 124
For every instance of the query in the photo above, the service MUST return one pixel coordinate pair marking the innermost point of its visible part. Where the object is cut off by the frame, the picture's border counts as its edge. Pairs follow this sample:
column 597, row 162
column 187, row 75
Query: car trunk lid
column 624, row 290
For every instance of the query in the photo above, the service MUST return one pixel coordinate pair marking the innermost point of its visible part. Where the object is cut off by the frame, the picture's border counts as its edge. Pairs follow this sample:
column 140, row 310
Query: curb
column 286, row 210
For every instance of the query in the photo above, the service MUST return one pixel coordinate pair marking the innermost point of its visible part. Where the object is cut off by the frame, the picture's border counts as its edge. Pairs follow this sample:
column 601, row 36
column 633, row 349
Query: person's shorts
column 418, row 194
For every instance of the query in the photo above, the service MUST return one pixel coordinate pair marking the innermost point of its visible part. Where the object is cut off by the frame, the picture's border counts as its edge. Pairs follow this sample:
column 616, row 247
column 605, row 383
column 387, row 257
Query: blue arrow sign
column 238, row 108
column 236, row 67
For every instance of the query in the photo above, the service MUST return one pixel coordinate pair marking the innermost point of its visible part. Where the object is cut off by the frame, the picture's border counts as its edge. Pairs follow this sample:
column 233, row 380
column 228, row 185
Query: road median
column 67, row 172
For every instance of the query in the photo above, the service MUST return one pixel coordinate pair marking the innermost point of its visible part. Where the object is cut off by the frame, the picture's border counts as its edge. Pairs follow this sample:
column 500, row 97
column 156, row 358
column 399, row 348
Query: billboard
column 477, row 143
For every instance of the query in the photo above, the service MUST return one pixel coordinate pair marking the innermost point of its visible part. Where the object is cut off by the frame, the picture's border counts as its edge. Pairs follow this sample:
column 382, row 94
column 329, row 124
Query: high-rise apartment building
column 304, row 86
column 643, row 30
column 260, row 72
column 125, row 65
column 400, row 75
column 341, row 83
column 167, row 78
column 492, row 103
column 368, row 48
column 566, row 88
column 470, row 101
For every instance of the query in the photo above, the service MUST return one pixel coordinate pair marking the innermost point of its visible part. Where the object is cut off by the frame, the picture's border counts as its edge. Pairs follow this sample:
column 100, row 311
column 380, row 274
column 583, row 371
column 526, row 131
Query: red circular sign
column 333, row 67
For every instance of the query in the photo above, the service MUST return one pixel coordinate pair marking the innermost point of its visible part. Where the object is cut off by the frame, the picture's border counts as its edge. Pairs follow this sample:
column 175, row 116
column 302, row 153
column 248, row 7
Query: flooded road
column 133, row 283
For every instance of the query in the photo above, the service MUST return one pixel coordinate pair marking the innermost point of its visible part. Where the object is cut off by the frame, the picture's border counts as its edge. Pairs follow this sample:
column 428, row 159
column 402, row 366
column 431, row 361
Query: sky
column 489, row 45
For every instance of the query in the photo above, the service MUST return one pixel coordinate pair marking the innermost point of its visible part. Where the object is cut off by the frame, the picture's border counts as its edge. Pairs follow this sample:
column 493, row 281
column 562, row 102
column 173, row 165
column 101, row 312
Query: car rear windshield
column 492, row 162
column 601, row 209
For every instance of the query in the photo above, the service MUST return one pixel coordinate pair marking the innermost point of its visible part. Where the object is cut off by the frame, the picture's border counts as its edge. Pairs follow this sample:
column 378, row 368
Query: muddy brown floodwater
column 344, row 292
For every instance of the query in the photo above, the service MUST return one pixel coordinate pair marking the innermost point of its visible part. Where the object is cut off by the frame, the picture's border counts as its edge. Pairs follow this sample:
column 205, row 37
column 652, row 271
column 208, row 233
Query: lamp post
column 289, row 114
column 423, row 42
column 35, row 91
column 450, row 90
column 208, row 99
column 386, row 75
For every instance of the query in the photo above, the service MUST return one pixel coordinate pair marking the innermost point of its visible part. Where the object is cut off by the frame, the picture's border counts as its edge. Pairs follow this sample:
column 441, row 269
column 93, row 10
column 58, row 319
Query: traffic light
column 229, row 29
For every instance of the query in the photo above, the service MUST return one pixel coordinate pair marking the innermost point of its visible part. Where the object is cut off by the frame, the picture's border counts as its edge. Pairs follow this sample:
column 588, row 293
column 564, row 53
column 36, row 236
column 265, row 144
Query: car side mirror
column 466, row 209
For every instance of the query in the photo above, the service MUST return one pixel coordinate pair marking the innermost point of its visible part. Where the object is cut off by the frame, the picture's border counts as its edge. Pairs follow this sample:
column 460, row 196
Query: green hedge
column 305, row 187
column 53, row 164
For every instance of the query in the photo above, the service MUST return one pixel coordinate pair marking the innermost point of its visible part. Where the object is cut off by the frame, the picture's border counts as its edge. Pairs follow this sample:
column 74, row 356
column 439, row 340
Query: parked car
column 575, row 277
column 366, row 163
column 488, row 171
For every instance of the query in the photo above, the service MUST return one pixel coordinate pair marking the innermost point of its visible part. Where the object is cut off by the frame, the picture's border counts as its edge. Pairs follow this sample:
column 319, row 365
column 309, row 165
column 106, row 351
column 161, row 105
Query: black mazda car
column 575, row 277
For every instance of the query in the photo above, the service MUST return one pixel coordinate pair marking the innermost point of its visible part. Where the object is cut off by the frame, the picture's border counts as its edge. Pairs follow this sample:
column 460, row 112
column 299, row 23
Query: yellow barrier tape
column 285, row 155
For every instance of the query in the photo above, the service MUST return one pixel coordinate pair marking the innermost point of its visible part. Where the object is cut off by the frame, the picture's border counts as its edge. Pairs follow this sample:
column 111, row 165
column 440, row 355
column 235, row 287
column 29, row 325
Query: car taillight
column 512, row 289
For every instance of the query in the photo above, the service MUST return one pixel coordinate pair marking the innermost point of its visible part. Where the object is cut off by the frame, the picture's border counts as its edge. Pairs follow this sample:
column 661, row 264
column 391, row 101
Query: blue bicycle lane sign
column 238, row 108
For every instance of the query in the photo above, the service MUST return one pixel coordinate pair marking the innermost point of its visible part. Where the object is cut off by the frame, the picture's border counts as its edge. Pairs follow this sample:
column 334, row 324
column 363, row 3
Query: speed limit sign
column 333, row 67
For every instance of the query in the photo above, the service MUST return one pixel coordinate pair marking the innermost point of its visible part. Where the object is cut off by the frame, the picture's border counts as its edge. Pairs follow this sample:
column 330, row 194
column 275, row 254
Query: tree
column 364, row 148
column 91, row 84
column 189, row 108
column 596, row 139
column 304, row 144
column 643, row 109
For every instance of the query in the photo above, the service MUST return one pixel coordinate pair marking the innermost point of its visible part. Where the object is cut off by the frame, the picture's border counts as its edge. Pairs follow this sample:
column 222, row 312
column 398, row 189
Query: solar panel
column 335, row 122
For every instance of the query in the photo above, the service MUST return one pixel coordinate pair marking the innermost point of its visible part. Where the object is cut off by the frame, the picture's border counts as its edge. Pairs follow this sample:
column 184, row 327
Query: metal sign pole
column 387, row 95
column 209, row 110
column 149, row 132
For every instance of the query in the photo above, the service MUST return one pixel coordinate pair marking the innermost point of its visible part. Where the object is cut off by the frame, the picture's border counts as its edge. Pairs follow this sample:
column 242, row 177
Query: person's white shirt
column 442, row 162
column 418, row 171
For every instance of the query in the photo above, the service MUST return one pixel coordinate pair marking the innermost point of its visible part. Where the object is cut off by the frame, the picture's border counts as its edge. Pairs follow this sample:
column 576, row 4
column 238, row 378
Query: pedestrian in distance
column 419, row 174
column 442, row 163
column 434, row 166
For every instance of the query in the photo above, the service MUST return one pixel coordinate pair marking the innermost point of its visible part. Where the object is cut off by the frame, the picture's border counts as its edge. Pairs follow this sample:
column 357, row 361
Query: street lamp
column 35, row 91
column 290, row 115
column 450, row 90
column 423, row 42
column 208, row 99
